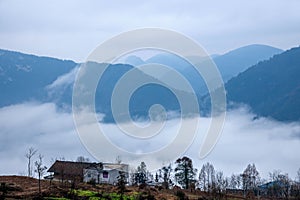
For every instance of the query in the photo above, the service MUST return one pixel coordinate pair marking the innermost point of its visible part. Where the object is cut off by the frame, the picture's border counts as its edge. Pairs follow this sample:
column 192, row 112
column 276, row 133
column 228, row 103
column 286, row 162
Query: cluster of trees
column 215, row 183
column 140, row 175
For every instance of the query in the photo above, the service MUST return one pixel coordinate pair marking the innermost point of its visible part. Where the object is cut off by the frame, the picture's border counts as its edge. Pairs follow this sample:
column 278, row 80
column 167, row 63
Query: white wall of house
column 90, row 175
column 105, row 176
column 113, row 176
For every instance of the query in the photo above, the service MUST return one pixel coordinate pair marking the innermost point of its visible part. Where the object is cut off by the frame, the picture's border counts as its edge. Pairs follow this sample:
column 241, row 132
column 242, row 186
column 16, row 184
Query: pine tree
column 121, row 184
column 185, row 172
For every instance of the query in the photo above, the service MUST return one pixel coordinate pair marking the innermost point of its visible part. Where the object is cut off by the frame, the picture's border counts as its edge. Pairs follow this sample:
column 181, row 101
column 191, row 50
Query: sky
column 73, row 29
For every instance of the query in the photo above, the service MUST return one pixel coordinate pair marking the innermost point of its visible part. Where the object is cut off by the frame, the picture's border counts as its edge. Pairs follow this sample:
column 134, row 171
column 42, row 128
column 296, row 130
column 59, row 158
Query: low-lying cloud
column 267, row 143
column 41, row 126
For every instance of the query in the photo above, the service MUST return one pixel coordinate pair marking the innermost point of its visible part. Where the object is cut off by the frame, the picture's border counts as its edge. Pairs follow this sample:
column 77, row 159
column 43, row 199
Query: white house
column 107, row 173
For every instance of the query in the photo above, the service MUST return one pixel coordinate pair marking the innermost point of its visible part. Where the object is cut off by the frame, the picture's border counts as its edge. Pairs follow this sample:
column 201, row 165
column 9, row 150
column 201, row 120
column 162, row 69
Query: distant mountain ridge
column 270, row 87
column 229, row 64
column 236, row 61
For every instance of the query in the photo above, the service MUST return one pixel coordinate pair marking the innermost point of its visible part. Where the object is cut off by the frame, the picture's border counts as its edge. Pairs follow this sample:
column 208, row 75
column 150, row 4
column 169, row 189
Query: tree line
column 249, row 183
column 182, row 173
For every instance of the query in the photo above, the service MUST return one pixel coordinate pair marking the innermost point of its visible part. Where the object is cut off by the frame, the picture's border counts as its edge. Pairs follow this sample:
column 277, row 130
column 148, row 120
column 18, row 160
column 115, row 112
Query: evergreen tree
column 141, row 174
column 121, row 184
column 185, row 172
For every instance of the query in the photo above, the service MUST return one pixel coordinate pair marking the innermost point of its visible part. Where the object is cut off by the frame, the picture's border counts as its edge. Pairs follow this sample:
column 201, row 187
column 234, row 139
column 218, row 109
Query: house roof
column 69, row 167
column 271, row 184
column 111, row 166
column 76, row 168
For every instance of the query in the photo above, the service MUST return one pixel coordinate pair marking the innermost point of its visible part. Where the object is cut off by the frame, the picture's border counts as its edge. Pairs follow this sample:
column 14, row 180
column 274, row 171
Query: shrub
column 181, row 195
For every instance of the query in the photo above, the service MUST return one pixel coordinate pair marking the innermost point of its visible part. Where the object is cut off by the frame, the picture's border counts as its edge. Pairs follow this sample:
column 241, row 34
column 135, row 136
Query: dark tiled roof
column 69, row 167
column 76, row 168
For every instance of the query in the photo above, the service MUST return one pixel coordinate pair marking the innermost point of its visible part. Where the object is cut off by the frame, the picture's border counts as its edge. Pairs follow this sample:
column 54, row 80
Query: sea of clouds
column 245, row 139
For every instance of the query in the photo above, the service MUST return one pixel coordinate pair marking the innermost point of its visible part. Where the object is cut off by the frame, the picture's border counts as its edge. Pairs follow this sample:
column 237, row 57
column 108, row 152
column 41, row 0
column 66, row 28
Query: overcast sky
column 72, row 29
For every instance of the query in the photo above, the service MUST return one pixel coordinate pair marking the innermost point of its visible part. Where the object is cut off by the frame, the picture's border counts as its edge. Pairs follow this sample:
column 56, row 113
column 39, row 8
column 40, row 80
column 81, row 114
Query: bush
column 181, row 195
column 142, row 186
column 92, row 182
column 145, row 196
column 160, row 188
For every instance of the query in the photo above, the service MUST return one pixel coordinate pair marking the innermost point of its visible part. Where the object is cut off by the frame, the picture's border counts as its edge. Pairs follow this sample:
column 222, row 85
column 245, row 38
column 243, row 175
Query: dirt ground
column 22, row 187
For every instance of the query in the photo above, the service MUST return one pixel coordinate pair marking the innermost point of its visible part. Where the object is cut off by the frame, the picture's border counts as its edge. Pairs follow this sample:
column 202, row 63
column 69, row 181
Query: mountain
column 229, row 64
column 238, row 60
column 169, row 59
column 184, row 68
column 141, row 99
column 271, row 88
column 24, row 77
column 134, row 60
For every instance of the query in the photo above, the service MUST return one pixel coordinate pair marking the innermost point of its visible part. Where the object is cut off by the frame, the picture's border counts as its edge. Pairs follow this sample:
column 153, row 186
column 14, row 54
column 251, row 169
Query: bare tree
column 274, row 189
column 31, row 152
column 82, row 159
column 235, row 181
column 221, row 184
column 239, row 182
column 118, row 160
column 132, row 176
column 250, row 179
column 298, row 176
column 207, row 177
column 281, row 185
column 165, row 175
column 202, row 179
column 40, row 170
column 53, row 160
column 296, row 186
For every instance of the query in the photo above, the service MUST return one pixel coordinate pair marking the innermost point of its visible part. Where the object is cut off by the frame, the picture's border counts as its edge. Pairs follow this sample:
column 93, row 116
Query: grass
column 96, row 196
column 85, row 193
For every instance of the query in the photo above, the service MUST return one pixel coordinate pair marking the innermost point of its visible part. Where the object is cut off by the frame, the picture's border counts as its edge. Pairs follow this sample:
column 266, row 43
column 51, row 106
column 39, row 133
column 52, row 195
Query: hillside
column 141, row 99
column 21, row 187
column 271, row 88
column 24, row 77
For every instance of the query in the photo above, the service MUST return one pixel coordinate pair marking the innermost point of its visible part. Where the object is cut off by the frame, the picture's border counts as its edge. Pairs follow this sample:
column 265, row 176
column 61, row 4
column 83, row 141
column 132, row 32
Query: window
column 105, row 174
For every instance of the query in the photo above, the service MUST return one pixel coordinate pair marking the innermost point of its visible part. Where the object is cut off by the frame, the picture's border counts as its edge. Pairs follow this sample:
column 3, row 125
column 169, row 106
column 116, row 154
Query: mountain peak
column 236, row 61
